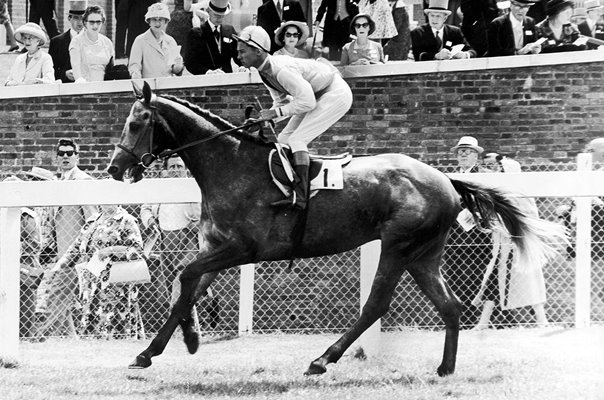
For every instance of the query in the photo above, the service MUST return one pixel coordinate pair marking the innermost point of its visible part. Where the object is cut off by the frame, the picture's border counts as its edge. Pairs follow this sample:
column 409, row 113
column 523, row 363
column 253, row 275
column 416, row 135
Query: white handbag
column 136, row 271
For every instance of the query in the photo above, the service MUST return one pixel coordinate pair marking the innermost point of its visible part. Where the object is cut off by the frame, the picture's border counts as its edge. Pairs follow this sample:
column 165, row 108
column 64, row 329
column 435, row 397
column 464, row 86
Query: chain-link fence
column 313, row 295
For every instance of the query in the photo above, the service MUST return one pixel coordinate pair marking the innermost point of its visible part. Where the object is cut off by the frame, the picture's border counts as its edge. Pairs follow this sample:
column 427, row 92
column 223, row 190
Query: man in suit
column 272, row 12
column 436, row 40
column 336, row 29
column 211, row 47
column 59, row 45
column 69, row 221
column 513, row 33
column 592, row 26
column 477, row 14
column 44, row 10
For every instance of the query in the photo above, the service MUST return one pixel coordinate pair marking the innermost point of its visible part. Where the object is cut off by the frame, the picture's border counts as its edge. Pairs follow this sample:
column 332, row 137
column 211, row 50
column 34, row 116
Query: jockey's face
column 249, row 56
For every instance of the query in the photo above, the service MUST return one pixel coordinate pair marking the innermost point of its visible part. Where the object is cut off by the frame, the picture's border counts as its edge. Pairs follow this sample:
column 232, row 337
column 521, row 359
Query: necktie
column 217, row 36
column 439, row 42
column 279, row 10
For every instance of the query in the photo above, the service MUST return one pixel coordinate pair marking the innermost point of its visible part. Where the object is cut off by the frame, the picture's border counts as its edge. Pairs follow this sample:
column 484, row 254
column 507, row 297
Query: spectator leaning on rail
column 311, row 92
column 362, row 50
column 593, row 25
column 292, row 36
column 68, row 222
column 437, row 40
column 154, row 53
column 273, row 12
column 559, row 32
column 59, row 45
column 505, row 283
column 35, row 66
column 91, row 52
column 513, row 33
column 211, row 47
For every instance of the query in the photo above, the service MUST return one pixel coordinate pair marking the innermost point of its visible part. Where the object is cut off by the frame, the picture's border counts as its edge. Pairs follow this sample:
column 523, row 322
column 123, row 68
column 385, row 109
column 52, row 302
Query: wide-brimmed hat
column 302, row 28
column 157, row 10
column 41, row 173
column 254, row 36
column 592, row 5
column 438, row 5
column 222, row 7
column 77, row 7
column 467, row 142
column 553, row 7
column 369, row 19
column 33, row 29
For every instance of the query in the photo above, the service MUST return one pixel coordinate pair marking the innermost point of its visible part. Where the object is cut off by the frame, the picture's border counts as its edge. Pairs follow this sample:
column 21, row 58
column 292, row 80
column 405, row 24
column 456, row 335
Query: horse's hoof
column 444, row 371
column 192, row 342
column 315, row 368
column 140, row 362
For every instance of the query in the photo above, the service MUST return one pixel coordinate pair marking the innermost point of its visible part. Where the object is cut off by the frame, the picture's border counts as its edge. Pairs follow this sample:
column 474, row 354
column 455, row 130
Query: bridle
column 146, row 159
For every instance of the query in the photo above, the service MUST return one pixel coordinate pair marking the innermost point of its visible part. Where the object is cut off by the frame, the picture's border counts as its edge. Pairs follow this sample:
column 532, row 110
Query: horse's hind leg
column 427, row 276
column 387, row 276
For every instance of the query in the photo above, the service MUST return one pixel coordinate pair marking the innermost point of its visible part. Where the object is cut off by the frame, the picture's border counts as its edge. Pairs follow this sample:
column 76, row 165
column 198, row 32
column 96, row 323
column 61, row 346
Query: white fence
column 580, row 185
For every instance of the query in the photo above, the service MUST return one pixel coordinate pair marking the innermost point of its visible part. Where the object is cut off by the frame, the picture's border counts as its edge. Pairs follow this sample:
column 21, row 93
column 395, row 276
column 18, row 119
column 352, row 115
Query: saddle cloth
column 325, row 171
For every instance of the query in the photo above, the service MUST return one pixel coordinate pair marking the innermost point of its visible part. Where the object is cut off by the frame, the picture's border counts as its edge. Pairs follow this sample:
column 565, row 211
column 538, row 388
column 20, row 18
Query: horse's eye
column 145, row 116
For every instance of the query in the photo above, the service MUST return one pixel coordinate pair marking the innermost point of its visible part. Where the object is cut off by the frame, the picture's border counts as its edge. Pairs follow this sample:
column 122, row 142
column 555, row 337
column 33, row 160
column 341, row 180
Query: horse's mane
column 216, row 120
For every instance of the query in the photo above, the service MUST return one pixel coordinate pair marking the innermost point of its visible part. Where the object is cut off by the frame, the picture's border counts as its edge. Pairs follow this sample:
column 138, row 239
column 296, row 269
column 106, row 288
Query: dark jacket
column 424, row 43
column 477, row 15
column 268, row 17
column 501, row 36
column 570, row 33
column 336, row 33
column 59, row 51
column 597, row 34
column 202, row 51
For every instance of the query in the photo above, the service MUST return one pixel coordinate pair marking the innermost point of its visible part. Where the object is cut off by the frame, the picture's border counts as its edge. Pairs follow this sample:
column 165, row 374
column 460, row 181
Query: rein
column 148, row 158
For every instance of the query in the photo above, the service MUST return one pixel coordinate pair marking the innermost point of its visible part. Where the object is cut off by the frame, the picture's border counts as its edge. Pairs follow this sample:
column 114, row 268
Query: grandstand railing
column 581, row 185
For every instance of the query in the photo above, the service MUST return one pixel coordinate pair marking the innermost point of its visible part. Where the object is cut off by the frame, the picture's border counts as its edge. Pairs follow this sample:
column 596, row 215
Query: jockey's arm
column 301, row 92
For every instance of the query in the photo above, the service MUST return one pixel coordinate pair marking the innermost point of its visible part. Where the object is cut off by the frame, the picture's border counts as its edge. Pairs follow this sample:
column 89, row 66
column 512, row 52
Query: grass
column 505, row 364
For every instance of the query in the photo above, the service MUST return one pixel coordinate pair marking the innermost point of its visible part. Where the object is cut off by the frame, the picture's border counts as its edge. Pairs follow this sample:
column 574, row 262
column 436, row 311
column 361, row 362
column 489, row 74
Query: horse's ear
column 138, row 92
column 147, row 93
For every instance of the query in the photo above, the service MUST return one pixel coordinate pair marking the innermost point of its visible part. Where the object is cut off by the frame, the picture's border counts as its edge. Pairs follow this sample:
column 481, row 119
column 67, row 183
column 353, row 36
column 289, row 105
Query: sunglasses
column 295, row 35
column 67, row 153
column 363, row 25
column 466, row 151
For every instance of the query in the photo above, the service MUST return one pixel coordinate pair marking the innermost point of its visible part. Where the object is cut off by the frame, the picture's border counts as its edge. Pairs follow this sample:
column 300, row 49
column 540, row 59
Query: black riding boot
column 299, row 196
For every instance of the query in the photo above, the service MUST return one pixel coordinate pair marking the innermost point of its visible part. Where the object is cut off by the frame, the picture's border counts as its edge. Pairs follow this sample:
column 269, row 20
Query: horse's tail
column 537, row 240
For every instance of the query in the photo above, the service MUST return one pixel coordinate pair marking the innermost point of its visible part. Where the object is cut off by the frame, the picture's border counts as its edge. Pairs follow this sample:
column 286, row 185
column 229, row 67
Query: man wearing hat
column 273, row 12
column 44, row 10
column 593, row 25
column 467, row 151
column 59, row 45
column 211, row 47
column 311, row 92
column 435, row 40
column 513, row 33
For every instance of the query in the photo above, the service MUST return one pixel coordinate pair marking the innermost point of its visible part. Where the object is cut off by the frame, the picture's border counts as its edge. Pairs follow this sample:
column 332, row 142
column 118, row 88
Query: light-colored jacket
column 150, row 59
column 40, row 66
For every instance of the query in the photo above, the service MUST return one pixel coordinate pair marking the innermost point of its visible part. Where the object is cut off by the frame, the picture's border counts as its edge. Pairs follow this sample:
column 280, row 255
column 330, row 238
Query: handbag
column 136, row 271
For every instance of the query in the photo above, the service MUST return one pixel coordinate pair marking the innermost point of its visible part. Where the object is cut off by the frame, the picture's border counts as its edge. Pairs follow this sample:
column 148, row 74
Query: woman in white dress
column 35, row 66
column 91, row 52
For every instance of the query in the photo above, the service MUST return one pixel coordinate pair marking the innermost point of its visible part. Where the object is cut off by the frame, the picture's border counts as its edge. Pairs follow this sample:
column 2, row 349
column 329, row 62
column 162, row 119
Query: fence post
column 246, row 299
column 370, row 256
column 10, row 249
column 583, row 251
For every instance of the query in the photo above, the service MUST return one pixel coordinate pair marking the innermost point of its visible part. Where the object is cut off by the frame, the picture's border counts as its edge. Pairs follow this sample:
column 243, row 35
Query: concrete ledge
column 244, row 78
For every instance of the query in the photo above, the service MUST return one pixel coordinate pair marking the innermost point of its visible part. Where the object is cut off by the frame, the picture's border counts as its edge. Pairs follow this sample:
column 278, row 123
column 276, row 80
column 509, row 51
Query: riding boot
column 299, row 195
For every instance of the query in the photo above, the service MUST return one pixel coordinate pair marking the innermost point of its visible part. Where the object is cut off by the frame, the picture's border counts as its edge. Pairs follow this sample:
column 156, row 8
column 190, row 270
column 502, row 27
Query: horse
column 394, row 198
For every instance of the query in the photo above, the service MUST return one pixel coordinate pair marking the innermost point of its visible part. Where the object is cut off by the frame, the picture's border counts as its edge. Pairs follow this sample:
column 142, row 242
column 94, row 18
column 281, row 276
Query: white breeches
column 331, row 106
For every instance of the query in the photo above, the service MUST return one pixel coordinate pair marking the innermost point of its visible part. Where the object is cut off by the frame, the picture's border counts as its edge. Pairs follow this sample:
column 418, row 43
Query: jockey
column 311, row 92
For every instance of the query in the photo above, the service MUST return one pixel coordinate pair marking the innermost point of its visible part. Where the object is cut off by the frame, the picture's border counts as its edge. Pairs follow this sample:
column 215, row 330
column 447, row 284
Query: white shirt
column 518, row 32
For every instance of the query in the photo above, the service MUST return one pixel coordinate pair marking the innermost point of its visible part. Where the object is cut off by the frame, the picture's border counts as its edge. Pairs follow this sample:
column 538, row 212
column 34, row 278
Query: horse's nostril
column 112, row 170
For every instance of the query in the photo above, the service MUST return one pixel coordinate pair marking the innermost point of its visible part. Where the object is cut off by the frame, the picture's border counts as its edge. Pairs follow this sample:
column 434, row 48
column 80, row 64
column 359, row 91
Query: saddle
column 325, row 172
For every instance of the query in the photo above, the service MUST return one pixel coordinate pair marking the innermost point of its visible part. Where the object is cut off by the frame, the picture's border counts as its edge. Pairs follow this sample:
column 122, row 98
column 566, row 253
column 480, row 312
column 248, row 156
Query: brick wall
column 534, row 113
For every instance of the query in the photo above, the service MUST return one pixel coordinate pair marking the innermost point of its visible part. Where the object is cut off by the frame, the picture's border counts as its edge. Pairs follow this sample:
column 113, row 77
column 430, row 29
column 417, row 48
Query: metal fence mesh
column 322, row 294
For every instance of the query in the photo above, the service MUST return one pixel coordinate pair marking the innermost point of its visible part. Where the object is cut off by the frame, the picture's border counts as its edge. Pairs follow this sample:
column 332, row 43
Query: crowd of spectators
column 195, row 39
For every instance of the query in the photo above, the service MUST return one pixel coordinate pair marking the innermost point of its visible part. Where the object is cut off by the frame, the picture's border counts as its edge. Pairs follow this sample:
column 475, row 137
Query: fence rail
column 323, row 294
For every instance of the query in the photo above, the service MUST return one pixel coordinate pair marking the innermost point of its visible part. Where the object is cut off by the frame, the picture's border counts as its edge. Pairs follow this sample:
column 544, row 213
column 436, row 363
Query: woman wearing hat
column 292, row 36
column 557, row 28
column 154, row 53
column 362, row 51
column 381, row 13
column 91, row 52
column 35, row 66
